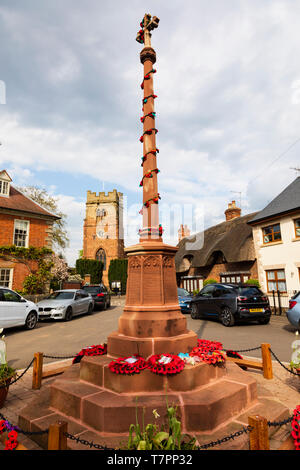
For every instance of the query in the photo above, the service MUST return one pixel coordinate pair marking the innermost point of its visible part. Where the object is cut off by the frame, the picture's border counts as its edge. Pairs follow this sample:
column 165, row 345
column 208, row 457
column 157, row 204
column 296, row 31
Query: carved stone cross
column 148, row 24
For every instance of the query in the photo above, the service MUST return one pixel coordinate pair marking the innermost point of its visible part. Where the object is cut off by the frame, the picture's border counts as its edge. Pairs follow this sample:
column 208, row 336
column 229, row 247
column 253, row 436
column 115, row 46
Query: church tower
column 103, row 234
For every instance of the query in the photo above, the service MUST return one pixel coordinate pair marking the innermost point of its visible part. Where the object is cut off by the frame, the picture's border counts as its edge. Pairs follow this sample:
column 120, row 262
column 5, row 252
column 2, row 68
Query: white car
column 16, row 311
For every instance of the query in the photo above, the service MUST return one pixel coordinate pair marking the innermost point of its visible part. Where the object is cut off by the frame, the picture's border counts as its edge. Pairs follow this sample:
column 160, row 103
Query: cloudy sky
column 228, row 86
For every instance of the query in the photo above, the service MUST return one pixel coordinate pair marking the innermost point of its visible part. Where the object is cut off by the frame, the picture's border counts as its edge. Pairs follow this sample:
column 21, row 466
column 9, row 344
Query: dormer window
column 4, row 188
column 5, row 180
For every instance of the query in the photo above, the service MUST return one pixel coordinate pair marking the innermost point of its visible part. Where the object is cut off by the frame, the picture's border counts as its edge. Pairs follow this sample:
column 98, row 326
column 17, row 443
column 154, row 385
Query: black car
column 100, row 294
column 230, row 303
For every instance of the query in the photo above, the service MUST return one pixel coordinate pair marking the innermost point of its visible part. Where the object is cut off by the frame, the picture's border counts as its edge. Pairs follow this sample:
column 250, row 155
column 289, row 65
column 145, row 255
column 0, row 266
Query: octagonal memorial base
column 100, row 405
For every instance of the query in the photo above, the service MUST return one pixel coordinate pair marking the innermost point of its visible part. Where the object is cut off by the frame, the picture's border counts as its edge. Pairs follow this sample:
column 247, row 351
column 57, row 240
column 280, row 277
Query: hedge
column 118, row 272
column 90, row 266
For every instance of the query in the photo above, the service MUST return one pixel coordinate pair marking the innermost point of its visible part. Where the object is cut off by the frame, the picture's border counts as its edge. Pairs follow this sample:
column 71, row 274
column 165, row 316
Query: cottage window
column 5, row 277
column 276, row 280
column 4, row 188
column 21, row 233
column 297, row 228
column 271, row 233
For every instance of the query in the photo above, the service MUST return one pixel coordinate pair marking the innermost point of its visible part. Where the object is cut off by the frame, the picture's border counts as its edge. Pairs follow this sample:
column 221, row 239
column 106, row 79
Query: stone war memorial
column 152, row 359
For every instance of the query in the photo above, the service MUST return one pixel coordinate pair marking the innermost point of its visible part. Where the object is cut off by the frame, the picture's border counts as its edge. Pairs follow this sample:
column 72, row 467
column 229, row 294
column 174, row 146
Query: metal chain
column 20, row 431
column 87, row 443
column 20, row 376
column 232, row 436
column 58, row 357
column 289, row 370
column 244, row 350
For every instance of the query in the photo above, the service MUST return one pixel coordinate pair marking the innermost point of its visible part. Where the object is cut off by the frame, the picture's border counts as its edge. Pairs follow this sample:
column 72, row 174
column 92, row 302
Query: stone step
column 202, row 409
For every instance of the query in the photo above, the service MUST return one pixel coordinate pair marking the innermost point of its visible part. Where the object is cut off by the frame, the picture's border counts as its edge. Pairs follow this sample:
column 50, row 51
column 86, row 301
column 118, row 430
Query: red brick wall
column 37, row 230
column 37, row 238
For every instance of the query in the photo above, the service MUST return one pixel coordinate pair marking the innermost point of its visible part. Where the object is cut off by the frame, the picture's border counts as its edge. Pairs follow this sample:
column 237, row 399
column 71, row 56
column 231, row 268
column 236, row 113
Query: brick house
column 224, row 252
column 23, row 223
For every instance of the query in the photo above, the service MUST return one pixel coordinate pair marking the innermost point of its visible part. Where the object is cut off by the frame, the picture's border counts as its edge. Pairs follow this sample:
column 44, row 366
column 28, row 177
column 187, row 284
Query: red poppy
column 127, row 365
column 97, row 350
column 165, row 364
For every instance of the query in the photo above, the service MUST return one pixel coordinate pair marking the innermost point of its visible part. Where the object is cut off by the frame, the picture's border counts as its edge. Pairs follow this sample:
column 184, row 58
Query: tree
column 48, row 202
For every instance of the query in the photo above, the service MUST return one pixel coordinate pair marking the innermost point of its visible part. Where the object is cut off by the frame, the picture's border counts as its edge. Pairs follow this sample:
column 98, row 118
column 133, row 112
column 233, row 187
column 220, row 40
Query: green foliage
column 253, row 282
column 196, row 291
column 117, row 271
column 50, row 203
column 209, row 281
column 6, row 372
column 90, row 266
column 35, row 283
column 30, row 253
column 169, row 437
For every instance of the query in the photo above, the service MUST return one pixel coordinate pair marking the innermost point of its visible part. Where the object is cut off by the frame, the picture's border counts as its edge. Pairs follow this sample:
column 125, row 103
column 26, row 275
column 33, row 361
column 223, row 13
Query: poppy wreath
column 148, row 132
column 140, row 36
column 154, row 199
column 209, row 352
column 12, row 437
column 210, row 345
column 147, row 77
column 145, row 99
column 149, row 175
column 98, row 350
column 165, row 364
column 128, row 365
column 154, row 152
column 296, row 427
column 152, row 115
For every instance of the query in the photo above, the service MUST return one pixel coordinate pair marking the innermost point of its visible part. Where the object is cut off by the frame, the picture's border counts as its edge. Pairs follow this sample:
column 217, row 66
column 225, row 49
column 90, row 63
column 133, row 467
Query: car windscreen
column 249, row 291
column 92, row 289
column 61, row 295
column 183, row 292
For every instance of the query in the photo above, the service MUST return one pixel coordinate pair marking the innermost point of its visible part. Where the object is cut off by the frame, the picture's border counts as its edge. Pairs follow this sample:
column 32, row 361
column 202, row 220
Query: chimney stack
column 232, row 212
column 183, row 232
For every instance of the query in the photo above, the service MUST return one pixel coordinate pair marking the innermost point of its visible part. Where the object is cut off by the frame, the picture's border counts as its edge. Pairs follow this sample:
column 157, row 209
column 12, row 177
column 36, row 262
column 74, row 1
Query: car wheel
column 194, row 312
column 226, row 317
column 68, row 314
column 264, row 321
column 31, row 321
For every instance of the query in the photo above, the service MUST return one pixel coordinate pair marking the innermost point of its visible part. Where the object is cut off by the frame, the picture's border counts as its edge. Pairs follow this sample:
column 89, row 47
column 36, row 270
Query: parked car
column 65, row 304
column 293, row 313
column 16, row 311
column 100, row 295
column 230, row 303
column 184, row 298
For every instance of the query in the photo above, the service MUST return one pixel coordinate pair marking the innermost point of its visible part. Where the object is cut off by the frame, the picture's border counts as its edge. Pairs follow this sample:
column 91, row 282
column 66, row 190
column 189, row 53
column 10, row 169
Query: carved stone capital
column 148, row 54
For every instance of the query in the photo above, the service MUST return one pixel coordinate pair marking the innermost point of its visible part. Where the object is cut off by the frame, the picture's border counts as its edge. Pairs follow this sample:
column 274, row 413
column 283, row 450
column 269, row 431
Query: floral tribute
column 128, row 365
column 210, row 352
column 165, row 364
column 98, row 350
column 11, row 442
column 296, row 427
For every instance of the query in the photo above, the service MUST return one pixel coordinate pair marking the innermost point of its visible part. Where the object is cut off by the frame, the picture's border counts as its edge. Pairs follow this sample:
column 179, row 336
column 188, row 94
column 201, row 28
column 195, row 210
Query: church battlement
column 111, row 196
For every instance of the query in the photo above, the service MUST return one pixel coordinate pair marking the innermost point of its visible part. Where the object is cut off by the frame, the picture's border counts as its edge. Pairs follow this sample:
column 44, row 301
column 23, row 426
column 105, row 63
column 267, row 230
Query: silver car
column 64, row 304
column 293, row 313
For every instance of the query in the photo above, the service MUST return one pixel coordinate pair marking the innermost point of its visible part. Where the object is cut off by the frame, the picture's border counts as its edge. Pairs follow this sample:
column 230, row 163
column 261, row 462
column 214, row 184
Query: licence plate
column 256, row 310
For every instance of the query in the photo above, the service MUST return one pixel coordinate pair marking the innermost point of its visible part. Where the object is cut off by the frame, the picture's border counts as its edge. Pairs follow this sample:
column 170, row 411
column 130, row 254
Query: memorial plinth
column 152, row 322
